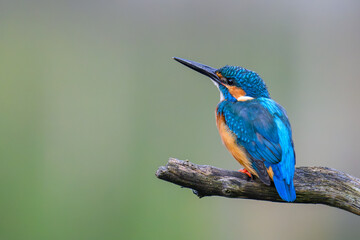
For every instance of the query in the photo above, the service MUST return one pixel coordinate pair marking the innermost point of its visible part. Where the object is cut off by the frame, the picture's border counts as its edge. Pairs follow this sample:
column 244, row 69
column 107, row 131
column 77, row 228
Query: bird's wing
column 262, row 128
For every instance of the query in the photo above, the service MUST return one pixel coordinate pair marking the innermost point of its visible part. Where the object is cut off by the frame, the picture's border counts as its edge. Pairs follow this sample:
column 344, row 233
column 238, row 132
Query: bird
column 253, row 127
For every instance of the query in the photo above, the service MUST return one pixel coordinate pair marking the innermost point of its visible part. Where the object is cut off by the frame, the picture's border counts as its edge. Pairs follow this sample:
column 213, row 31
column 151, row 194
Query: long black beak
column 201, row 68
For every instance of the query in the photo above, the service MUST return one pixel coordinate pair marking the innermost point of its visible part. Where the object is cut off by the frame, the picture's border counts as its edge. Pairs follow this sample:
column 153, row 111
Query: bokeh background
column 92, row 104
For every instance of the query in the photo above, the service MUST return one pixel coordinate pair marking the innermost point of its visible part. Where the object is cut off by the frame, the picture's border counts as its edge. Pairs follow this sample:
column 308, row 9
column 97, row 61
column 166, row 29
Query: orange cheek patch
column 236, row 92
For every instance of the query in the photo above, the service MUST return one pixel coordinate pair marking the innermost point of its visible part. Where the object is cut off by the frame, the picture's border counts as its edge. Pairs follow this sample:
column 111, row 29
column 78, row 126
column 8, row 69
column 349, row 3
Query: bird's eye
column 230, row 81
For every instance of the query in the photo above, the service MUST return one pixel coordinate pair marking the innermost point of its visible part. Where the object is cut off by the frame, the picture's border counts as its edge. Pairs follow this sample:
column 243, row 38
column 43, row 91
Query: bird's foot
column 246, row 172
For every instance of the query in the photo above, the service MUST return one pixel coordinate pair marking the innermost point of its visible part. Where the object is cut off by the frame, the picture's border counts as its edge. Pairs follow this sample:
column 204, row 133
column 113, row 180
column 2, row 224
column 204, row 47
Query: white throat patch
column 221, row 95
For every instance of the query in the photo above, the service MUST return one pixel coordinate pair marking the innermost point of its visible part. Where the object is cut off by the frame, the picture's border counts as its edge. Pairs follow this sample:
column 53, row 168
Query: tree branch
column 313, row 184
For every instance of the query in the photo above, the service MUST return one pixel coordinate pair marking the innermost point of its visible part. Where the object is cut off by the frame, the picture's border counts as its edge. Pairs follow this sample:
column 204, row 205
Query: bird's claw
column 246, row 172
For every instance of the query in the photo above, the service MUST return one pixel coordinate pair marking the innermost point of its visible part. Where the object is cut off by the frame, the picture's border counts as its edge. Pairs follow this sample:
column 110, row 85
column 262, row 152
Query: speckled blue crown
column 246, row 79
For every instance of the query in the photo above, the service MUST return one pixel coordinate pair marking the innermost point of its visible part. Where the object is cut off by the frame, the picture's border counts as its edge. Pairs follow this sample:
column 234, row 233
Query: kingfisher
column 254, row 128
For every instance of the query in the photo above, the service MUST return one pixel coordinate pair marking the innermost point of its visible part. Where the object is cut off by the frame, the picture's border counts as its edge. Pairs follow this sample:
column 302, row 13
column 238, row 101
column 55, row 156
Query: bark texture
column 313, row 184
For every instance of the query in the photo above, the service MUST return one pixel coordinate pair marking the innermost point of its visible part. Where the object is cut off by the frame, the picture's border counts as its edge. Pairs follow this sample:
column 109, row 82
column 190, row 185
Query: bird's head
column 234, row 83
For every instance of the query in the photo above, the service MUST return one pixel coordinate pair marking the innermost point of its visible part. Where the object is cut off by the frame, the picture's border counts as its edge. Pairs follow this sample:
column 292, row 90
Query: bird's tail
column 283, row 184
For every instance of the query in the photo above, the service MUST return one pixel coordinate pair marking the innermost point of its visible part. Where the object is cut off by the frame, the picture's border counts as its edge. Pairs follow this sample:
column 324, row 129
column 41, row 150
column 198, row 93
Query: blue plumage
column 262, row 128
column 265, row 130
column 249, row 80
column 258, row 125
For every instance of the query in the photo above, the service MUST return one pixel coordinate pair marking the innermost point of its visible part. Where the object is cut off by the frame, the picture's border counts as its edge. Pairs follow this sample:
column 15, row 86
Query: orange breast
column 229, row 140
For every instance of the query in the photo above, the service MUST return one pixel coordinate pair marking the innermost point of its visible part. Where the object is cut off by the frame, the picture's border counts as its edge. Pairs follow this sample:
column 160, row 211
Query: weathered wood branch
column 313, row 184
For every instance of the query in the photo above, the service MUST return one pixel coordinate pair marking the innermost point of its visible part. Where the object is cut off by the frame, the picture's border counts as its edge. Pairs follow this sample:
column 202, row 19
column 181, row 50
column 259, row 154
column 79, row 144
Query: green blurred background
column 92, row 104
